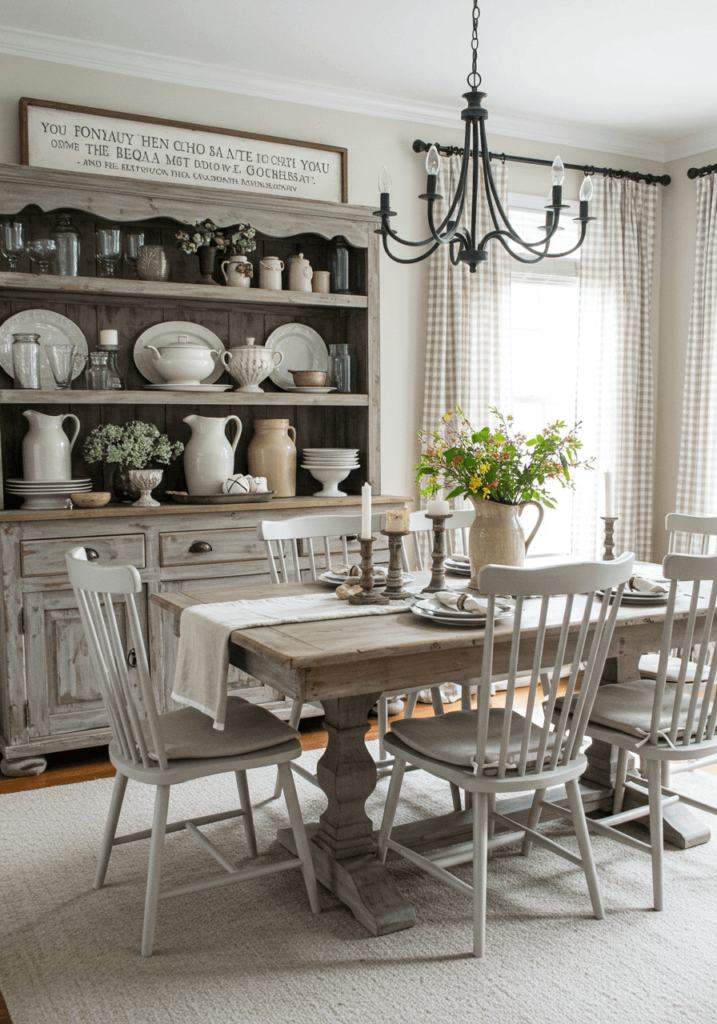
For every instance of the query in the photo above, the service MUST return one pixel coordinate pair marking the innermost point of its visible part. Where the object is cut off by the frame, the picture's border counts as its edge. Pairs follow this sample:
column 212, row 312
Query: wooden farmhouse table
column 347, row 663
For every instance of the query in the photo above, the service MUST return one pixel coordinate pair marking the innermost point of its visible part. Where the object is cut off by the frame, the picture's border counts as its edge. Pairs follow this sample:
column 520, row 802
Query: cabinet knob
column 92, row 555
column 200, row 547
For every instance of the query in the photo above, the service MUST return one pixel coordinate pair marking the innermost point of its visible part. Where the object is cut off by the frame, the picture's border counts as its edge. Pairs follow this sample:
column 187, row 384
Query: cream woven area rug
column 254, row 954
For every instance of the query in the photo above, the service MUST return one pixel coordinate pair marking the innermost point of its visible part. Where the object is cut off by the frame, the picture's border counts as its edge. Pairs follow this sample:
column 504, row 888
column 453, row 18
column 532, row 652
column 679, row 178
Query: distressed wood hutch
column 48, row 700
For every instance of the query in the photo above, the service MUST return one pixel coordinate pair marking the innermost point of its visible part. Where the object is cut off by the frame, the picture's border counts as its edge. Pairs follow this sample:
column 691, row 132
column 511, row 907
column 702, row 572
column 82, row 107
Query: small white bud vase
column 250, row 364
column 145, row 480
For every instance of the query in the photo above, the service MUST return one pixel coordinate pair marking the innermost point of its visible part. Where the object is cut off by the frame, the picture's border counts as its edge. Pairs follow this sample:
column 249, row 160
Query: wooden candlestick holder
column 609, row 541
column 394, row 581
column 438, row 572
column 368, row 593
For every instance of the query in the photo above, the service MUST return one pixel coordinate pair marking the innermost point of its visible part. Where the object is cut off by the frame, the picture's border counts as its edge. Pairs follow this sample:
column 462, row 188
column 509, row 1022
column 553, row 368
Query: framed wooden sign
column 85, row 139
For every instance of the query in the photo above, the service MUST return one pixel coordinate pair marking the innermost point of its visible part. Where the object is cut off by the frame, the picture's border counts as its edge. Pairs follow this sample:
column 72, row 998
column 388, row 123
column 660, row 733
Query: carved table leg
column 343, row 847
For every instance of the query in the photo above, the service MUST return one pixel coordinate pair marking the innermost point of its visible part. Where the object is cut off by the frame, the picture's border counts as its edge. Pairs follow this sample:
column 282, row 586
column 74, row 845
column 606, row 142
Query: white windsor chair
column 661, row 723
column 490, row 751
column 164, row 750
column 324, row 529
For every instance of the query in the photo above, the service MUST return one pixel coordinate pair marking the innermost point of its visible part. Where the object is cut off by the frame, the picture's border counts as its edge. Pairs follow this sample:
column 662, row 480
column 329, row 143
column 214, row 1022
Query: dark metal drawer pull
column 200, row 547
column 92, row 555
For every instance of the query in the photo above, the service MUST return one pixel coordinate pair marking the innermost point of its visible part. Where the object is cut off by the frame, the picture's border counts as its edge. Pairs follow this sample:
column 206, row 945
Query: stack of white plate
column 47, row 494
column 330, row 466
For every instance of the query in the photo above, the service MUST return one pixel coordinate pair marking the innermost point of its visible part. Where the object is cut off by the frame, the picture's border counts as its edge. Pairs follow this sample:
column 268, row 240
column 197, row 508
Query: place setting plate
column 430, row 609
column 462, row 568
column 334, row 580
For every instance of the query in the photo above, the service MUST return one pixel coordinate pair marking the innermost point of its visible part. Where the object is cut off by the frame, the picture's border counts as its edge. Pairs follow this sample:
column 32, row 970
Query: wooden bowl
column 309, row 378
column 90, row 499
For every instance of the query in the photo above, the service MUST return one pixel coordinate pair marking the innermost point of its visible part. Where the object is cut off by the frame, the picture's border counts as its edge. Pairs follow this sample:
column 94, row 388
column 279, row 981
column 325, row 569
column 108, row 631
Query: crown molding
column 200, row 74
column 692, row 145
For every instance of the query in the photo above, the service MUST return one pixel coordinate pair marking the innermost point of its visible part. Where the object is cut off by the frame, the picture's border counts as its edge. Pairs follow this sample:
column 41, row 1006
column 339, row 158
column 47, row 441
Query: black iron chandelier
column 464, row 246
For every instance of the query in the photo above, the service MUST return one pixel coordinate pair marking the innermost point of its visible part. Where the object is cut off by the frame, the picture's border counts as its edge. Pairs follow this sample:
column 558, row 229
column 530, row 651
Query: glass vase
column 67, row 239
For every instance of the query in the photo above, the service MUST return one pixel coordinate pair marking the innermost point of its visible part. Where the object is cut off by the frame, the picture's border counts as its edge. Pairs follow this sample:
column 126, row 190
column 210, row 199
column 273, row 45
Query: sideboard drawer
column 47, row 557
column 206, row 546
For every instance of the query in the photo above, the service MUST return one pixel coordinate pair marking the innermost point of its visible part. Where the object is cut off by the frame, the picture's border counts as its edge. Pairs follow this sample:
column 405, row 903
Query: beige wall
column 372, row 142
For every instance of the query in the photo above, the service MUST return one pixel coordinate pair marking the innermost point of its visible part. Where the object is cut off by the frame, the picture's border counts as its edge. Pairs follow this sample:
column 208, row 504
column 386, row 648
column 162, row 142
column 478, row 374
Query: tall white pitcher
column 208, row 457
column 46, row 447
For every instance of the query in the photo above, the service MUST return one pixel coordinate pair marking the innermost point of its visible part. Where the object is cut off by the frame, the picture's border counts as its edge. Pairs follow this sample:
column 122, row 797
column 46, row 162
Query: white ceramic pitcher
column 208, row 457
column 46, row 447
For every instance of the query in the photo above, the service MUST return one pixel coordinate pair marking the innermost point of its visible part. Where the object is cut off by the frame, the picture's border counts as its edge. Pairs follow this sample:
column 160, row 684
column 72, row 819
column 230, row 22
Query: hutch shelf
column 48, row 698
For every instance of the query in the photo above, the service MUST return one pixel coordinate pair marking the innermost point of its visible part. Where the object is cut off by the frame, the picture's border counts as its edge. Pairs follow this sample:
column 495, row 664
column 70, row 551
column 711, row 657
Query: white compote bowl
column 330, row 477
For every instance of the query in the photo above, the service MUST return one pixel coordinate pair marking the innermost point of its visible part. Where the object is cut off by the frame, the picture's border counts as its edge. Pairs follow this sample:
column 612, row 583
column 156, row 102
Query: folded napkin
column 200, row 678
column 355, row 571
column 462, row 602
column 645, row 586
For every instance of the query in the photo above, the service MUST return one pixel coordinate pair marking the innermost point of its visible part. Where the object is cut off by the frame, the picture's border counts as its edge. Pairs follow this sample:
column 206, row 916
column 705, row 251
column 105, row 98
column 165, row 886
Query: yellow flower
column 486, row 492
column 474, row 483
column 484, row 469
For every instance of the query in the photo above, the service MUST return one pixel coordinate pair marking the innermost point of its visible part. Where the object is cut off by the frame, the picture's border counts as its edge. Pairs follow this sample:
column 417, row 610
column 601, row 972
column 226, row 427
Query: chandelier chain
column 474, row 79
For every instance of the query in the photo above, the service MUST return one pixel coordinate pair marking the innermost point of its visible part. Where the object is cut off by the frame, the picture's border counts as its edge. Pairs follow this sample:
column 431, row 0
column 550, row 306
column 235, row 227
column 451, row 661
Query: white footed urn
column 250, row 364
column 208, row 457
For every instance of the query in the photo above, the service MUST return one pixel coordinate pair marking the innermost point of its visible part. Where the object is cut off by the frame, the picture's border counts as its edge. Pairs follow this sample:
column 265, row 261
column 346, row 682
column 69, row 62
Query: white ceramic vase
column 250, row 364
column 209, row 457
column 239, row 272
column 46, row 447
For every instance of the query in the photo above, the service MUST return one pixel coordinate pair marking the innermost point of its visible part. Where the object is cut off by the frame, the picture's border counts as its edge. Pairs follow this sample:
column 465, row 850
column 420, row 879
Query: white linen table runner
column 200, row 679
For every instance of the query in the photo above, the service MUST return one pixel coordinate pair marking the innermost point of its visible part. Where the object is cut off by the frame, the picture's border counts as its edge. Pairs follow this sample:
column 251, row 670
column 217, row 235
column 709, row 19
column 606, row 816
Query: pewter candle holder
column 438, row 572
column 609, row 541
column 368, row 593
column 394, row 580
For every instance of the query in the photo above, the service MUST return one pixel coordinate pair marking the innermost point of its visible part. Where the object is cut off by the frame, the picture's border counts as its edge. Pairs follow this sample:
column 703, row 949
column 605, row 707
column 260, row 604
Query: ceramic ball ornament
column 241, row 484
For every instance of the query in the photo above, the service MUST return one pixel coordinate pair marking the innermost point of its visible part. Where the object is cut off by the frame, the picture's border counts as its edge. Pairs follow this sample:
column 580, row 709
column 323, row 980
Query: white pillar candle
column 438, row 507
column 609, row 507
column 398, row 520
column 109, row 339
column 366, row 512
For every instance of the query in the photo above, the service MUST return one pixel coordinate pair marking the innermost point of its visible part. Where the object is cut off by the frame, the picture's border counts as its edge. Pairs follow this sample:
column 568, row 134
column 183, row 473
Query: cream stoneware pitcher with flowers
column 501, row 471
column 208, row 457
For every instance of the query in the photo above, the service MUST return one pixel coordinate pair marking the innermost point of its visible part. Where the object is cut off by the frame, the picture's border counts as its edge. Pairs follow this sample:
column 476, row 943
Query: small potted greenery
column 501, row 471
column 135, row 445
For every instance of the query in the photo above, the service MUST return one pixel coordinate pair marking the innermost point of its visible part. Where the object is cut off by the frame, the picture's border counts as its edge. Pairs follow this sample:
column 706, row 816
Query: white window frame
column 563, row 271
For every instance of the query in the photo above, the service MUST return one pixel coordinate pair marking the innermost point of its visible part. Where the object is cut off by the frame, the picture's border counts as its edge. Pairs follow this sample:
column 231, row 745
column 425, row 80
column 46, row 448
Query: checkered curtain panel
column 697, row 472
column 614, row 396
column 468, row 345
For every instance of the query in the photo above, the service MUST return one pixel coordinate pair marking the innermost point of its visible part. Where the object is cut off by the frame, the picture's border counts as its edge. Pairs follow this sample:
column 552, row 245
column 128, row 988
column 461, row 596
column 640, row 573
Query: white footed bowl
column 329, row 477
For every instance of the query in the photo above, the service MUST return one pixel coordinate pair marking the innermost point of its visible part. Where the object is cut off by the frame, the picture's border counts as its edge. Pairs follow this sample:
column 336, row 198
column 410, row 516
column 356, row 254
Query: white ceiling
column 628, row 76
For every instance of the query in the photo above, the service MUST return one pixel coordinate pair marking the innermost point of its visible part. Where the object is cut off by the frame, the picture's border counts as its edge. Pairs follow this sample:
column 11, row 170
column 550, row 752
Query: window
column 544, row 327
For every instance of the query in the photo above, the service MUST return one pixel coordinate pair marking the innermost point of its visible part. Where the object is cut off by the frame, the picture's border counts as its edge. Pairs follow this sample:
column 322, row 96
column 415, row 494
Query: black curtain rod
column 649, row 179
column 698, row 172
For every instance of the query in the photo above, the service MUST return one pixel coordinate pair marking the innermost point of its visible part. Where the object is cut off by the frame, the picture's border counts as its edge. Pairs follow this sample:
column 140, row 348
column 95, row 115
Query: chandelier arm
column 415, row 259
column 568, row 252
column 500, row 236
column 386, row 229
column 476, row 182
column 460, row 197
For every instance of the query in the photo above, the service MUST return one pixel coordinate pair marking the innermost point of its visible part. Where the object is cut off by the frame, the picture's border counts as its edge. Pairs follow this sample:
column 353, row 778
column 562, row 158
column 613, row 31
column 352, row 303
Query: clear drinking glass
column 12, row 241
column 42, row 252
column 109, row 249
column 97, row 373
column 26, row 360
column 133, row 241
column 67, row 239
column 340, row 374
column 63, row 360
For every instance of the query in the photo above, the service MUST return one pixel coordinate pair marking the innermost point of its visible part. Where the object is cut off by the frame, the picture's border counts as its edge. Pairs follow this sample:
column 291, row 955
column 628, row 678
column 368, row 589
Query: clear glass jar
column 116, row 379
column 67, row 240
column 340, row 373
column 340, row 267
column 97, row 373
column 26, row 360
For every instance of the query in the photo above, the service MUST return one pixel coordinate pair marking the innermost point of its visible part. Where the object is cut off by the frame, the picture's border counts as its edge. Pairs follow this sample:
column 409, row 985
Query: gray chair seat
column 191, row 734
column 649, row 664
column 627, row 707
column 453, row 738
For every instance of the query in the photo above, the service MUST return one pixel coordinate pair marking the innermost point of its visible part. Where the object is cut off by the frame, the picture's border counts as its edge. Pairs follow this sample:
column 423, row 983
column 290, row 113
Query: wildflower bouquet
column 232, row 241
column 498, row 465
column 133, row 445
column 239, row 240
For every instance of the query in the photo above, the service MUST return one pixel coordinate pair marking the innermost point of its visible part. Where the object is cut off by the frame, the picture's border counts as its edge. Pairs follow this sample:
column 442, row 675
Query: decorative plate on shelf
column 164, row 334
column 311, row 391
column 53, row 328
column 187, row 387
column 182, row 498
column 302, row 348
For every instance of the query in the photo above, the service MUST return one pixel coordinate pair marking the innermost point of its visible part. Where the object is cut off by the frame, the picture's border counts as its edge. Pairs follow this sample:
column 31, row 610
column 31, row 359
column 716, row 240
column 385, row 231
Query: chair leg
column 113, row 814
column 533, row 821
column 654, row 778
column 665, row 773
column 586, row 851
column 382, row 726
column 437, row 701
column 248, row 816
column 410, row 705
column 466, row 697
column 294, row 719
column 389, row 810
column 480, row 870
column 302, row 843
column 622, row 755
column 156, row 852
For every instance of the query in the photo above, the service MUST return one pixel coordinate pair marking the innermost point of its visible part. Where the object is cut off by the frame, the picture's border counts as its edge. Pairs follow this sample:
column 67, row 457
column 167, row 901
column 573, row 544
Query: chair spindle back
column 421, row 527
column 275, row 533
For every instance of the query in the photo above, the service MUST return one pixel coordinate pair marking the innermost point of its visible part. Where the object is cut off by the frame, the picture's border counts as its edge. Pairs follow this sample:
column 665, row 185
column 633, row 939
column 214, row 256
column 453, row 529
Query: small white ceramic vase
column 208, row 457
column 270, row 269
column 239, row 272
column 250, row 364
column 300, row 273
column 145, row 480
column 46, row 447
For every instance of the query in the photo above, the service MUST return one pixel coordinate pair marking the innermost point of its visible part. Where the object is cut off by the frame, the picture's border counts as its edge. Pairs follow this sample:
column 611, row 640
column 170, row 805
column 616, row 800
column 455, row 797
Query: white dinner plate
column 634, row 597
column 53, row 328
column 302, row 348
column 311, row 391
column 187, row 387
column 336, row 581
column 474, row 621
column 48, row 490
column 460, row 567
column 165, row 334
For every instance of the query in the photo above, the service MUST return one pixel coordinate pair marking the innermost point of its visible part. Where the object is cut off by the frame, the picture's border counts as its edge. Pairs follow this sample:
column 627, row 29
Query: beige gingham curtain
column 468, row 345
column 615, row 380
column 697, row 472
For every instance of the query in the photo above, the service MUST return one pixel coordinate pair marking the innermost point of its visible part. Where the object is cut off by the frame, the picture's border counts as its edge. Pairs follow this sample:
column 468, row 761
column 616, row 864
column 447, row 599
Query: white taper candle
column 609, row 507
column 366, row 511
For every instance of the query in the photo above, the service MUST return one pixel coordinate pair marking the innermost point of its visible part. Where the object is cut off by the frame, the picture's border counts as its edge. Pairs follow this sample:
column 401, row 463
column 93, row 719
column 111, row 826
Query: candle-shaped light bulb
column 586, row 190
column 433, row 161
column 558, row 171
column 384, row 180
